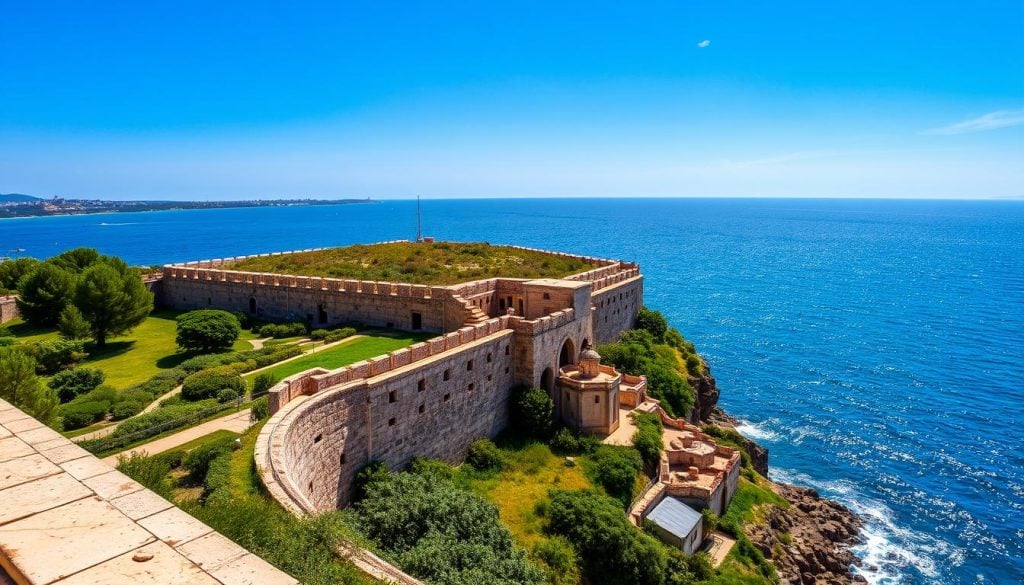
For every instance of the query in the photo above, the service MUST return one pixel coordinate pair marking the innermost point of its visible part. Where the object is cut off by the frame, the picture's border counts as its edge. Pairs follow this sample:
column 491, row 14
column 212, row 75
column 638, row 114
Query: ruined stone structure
column 8, row 308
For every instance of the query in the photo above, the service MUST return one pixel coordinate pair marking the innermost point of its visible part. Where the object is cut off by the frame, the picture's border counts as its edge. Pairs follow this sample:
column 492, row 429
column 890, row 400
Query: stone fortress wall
column 431, row 399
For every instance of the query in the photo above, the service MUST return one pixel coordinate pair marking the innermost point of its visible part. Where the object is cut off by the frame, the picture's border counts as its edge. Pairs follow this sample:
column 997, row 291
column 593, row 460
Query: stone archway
column 568, row 353
column 547, row 381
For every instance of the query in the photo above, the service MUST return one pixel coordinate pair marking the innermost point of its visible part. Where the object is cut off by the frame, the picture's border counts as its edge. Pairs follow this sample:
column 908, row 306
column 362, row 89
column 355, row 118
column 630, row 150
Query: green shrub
column 208, row 383
column 263, row 382
column 227, row 395
column 318, row 334
column 653, row 322
column 484, row 455
column 75, row 415
column 76, row 381
column 197, row 461
column 432, row 468
column 637, row 353
column 339, row 334
column 568, row 442
column 693, row 364
column 616, row 468
column 54, row 354
column 149, row 471
column 439, row 533
column 260, row 410
column 611, row 550
column 647, row 439
column 282, row 330
column 531, row 412
column 123, row 410
column 7, row 341
column 207, row 330
column 558, row 554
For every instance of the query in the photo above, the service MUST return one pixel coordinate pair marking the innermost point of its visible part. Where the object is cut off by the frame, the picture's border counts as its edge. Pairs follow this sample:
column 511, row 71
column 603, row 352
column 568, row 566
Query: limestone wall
column 323, row 301
column 310, row 451
column 616, row 303
column 8, row 308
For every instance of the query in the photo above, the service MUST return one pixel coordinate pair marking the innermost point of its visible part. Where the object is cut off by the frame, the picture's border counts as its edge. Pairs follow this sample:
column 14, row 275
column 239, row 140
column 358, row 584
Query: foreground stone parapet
column 67, row 517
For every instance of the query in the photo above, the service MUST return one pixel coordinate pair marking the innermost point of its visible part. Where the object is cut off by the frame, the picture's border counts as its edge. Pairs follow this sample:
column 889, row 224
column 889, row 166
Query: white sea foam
column 104, row 223
column 756, row 431
column 887, row 550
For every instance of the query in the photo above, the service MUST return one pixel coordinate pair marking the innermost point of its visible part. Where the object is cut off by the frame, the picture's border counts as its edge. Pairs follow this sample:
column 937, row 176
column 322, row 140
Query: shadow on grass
column 173, row 360
column 111, row 349
column 24, row 329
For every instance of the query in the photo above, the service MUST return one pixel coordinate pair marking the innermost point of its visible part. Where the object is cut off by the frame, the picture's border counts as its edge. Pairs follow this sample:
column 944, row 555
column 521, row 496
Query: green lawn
column 135, row 357
column 422, row 263
column 346, row 353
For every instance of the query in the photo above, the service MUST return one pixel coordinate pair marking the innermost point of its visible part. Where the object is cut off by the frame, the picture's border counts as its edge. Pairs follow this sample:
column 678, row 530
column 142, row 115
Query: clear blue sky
column 205, row 100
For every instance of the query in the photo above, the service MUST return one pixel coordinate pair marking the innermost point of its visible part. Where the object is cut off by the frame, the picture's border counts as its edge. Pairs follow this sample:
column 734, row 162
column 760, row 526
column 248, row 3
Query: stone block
column 174, row 526
column 63, row 541
column 37, row 496
column 24, row 469
column 140, row 504
column 13, row 448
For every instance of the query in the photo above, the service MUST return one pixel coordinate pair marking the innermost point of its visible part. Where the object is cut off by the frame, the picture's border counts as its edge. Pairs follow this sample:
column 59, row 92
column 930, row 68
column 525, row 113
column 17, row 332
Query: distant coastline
column 17, row 205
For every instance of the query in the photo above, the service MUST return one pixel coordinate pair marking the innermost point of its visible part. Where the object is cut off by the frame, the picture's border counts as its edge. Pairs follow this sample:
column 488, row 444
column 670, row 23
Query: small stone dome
column 588, row 353
column 590, row 362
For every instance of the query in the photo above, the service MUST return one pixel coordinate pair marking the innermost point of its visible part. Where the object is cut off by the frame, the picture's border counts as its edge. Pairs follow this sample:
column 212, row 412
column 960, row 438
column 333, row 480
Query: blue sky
column 477, row 99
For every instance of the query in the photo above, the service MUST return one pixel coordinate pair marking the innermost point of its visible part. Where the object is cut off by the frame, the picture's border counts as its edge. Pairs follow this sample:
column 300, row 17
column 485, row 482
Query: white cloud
column 991, row 121
column 704, row 44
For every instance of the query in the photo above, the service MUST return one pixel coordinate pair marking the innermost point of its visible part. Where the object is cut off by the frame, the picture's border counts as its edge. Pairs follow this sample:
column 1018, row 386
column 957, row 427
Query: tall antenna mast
column 419, row 223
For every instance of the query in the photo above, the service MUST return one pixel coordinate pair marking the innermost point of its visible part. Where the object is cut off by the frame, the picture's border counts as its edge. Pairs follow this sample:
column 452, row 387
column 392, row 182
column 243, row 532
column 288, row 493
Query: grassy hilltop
column 440, row 263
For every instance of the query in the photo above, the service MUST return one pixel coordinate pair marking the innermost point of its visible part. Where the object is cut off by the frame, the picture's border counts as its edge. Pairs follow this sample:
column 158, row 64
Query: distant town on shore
column 18, row 205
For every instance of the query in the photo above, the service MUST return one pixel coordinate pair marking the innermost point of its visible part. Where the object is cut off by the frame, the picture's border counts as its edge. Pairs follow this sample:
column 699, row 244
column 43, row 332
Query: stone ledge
column 66, row 516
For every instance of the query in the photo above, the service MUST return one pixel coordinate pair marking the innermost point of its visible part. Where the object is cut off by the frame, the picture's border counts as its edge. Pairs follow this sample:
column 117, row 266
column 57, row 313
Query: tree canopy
column 112, row 298
column 20, row 386
column 207, row 330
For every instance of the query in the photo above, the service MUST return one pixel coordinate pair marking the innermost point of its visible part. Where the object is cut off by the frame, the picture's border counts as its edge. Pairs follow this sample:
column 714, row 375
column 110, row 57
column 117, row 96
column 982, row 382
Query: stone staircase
column 471, row 314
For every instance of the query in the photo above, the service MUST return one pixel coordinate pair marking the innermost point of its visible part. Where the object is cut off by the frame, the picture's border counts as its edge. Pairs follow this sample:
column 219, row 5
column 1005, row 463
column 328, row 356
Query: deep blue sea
column 875, row 347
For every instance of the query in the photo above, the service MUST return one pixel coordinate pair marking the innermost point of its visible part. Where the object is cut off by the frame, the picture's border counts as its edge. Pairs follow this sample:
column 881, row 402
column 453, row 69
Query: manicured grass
column 348, row 352
column 135, row 357
column 439, row 263
column 531, row 471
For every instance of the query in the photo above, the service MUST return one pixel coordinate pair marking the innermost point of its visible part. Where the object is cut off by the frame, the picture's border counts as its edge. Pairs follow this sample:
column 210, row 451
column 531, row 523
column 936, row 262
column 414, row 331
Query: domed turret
column 590, row 362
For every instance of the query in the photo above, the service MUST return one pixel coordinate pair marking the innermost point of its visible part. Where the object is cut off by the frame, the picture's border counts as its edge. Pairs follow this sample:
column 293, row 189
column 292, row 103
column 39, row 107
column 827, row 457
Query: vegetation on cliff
column 439, row 263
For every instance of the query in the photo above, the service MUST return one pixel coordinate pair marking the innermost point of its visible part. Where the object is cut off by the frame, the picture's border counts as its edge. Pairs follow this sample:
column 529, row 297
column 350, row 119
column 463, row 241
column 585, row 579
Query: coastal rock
column 706, row 395
column 809, row 542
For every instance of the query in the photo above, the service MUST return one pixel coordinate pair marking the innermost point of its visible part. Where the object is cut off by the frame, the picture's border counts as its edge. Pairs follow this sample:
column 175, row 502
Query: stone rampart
column 616, row 303
column 309, row 451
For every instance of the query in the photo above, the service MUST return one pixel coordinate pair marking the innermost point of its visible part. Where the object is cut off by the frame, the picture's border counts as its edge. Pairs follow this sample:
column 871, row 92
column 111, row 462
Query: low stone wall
column 67, row 517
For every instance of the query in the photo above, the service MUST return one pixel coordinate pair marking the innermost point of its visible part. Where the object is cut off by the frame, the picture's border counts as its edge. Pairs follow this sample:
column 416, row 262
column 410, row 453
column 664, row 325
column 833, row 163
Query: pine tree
column 112, row 298
column 44, row 292
column 20, row 386
column 72, row 325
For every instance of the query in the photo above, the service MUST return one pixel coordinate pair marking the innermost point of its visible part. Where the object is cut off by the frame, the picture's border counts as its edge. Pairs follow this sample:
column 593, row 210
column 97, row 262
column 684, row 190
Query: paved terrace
column 67, row 517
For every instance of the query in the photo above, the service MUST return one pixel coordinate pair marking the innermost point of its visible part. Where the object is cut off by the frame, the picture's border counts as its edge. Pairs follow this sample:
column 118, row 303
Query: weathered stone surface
column 152, row 564
column 174, row 526
column 65, row 540
column 24, row 469
column 37, row 496
column 140, row 504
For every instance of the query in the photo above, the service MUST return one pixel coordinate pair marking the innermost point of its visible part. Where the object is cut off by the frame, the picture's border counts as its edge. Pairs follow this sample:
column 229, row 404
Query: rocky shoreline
column 811, row 541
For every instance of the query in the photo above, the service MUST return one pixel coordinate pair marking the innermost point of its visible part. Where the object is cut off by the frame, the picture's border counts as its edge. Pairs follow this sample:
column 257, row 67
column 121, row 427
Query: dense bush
column 647, row 438
column 440, row 533
column 653, row 322
column 339, row 334
column 568, row 442
column 207, row 330
column 281, row 330
column 616, row 468
column 260, row 410
column 208, row 383
column 82, row 414
column 227, row 395
column 318, row 334
column 531, row 412
column 72, row 324
column 53, row 355
column 558, row 554
column 637, row 353
column 125, row 409
column 197, row 461
column 611, row 550
column 71, row 383
column 484, row 455
column 262, row 382
column 251, row 360
column 153, row 423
